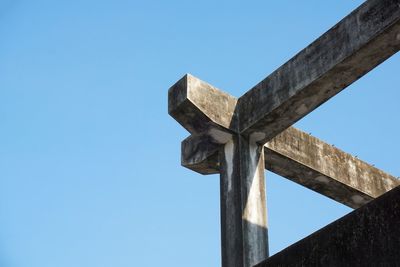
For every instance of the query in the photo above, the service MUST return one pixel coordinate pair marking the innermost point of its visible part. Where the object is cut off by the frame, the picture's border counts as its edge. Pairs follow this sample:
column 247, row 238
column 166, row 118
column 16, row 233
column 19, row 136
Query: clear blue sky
column 90, row 171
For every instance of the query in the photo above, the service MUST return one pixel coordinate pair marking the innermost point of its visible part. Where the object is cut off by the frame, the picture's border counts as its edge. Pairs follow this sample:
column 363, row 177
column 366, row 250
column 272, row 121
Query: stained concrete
column 200, row 154
column 305, row 160
column 244, row 229
column 354, row 46
column 228, row 134
column 199, row 106
column 369, row 236
column 325, row 169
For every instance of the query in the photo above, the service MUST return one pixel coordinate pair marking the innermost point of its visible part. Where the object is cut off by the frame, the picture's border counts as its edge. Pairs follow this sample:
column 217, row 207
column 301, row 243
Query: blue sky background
column 90, row 171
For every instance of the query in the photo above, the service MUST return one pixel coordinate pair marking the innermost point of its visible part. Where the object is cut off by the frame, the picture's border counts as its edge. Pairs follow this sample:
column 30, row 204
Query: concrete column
column 244, row 231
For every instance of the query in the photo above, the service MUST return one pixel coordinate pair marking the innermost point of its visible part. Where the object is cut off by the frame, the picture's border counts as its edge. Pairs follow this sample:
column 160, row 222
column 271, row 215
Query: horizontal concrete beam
column 369, row 236
column 198, row 106
column 303, row 159
column 325, row 169
column 354, row 46
column 199, row 153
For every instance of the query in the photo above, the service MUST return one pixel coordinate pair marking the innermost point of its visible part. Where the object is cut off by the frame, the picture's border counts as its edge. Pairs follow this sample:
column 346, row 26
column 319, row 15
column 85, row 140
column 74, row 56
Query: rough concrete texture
column 228, row 135
column 354, row 46
column 369, row 236
column 244, row 230
column 305, row 160
column 198, row 106
column 200, row 154
column 325, row 169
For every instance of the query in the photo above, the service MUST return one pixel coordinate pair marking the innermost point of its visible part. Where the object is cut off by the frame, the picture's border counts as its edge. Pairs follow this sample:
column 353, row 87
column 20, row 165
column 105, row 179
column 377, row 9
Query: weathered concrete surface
column 209, row 114
column 305, row 160
column 198, row 106
column 200, row 153
column 325, row 169
column 244, row 231
column 369, row 236
column 357, row 44
column 228, row 134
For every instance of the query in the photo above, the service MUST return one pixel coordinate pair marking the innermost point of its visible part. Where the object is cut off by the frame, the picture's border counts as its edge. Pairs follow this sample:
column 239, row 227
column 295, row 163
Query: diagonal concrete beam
column 325, row 169
column 199, row 106
column 303, row 159
column 369, row 236
column 354, row 46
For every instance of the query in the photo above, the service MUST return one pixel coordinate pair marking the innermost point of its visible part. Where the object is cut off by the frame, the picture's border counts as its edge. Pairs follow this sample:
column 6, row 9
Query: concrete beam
column 325, row 169
column 369, row 236
column 354, row 46
column 200, row 153
column 303, row 159
column 199, row 106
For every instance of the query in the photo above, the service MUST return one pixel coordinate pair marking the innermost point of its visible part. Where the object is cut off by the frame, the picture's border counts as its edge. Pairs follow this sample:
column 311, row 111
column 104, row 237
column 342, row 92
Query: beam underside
column 325, row 169
column 307, row 161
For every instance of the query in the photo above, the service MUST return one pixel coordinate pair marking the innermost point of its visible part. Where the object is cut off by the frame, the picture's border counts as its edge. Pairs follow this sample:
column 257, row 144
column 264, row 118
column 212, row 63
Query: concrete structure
column 305, row 160
column 239, row 138
column 369, row 236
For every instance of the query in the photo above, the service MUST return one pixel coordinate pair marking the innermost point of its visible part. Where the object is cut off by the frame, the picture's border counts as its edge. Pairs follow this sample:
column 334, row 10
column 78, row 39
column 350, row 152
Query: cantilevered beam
column 199, row 153
column 325, row 169
column 305, row 160
column 199, row 106
column 209, row 114
column 354, row 46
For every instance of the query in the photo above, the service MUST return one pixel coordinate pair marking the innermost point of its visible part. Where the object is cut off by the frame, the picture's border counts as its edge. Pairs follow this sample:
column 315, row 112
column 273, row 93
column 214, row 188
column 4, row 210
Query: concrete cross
column 239, row 138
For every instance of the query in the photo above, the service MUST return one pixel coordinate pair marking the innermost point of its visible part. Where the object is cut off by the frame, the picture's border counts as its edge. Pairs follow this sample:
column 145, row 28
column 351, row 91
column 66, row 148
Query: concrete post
column 244, row 232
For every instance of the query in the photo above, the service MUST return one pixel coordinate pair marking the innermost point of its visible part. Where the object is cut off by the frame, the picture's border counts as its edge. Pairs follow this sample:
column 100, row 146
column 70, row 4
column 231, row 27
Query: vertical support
column 254, row 205
column 244, row 230
column 232, row 253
